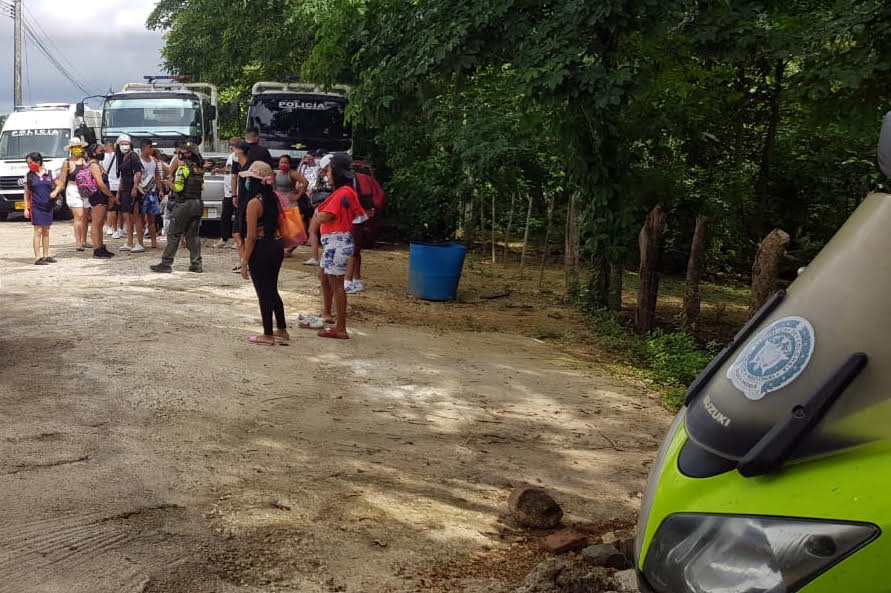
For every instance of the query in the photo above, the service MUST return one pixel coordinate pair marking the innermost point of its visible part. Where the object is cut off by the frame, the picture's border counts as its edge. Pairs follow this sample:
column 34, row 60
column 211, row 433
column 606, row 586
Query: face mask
column 247, row 185
column 284, row 168
column 125, row 148
column 78, row 152
column 34, row 167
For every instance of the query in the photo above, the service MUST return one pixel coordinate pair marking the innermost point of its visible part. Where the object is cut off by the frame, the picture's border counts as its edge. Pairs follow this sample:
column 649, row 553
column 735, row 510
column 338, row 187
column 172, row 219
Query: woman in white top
column 67, row 184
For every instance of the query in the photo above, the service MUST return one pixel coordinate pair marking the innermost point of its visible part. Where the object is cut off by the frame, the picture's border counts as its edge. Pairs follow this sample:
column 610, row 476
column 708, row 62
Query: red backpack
column 371, row 194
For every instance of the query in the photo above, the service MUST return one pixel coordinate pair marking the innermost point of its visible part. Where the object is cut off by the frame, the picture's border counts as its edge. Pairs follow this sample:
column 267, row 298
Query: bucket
column 434, row 270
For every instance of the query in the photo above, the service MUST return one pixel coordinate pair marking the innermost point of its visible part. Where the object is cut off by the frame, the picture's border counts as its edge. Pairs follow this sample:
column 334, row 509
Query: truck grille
column 11, row 182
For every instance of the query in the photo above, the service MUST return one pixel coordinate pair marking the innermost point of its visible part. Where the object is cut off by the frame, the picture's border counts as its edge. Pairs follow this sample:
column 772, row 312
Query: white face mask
column 125, row 148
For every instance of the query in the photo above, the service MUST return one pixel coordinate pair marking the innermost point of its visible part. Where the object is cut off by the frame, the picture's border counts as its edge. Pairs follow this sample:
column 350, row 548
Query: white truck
column 163, row 109
column 294, row 117
column 45, row 128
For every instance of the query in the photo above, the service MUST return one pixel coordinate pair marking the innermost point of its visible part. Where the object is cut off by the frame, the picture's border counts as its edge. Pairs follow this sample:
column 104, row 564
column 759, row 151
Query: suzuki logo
column 21, row 181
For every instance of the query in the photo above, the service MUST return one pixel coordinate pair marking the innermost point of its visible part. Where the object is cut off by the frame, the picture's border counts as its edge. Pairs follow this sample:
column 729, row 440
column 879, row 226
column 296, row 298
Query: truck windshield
column 153, row 116
column 286, row 119
column 17, row 144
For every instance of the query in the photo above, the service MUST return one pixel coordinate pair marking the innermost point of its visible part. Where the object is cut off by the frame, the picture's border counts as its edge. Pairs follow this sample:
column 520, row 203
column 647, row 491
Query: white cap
column 326, row 160
column 123, row 138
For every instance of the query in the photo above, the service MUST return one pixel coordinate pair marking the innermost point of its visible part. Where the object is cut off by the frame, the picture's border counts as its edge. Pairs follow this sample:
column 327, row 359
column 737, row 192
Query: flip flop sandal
column 330, row 332
column 283, row 341
column 255, row 340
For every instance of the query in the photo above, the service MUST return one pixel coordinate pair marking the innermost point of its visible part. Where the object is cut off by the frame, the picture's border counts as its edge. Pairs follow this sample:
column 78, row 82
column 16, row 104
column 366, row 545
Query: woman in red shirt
column 335, row 218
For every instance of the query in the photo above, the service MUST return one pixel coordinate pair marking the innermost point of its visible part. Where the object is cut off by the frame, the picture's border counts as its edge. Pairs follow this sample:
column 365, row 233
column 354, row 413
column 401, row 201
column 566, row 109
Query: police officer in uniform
column 187, row 210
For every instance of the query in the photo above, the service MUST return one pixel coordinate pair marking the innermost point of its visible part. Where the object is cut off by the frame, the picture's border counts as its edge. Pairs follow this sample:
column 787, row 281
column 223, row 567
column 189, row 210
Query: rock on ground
column 558, row 575
column 533, row 507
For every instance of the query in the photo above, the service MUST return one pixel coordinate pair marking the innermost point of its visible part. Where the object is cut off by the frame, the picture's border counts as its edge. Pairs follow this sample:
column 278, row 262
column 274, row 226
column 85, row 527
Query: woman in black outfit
column 263, row 251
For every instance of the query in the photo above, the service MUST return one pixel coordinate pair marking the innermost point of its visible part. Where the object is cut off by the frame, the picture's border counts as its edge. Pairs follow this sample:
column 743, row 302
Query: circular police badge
column 773, row 358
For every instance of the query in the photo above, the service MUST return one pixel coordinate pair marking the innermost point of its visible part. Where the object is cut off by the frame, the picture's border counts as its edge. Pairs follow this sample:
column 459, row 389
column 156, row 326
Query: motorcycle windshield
column 839, row 306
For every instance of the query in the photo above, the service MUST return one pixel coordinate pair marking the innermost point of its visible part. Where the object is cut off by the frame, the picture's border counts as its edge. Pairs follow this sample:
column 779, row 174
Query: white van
column 45, row 128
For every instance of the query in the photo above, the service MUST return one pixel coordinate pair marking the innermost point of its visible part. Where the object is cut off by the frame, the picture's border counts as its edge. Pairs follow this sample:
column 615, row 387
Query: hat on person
column 123, row 138
column 319, row 152
column 75, row 143
column 258, row 170
column 340, row 162
column 191, row 147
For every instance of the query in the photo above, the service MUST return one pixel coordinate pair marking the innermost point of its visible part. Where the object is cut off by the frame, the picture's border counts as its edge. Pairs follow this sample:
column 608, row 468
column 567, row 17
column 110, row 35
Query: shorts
column 150, row 205
column 240, row 218
column 360, row 238
column 98, row 199
column 73, row 199
column 337, row 248
column 127, row 201
column 114, row 208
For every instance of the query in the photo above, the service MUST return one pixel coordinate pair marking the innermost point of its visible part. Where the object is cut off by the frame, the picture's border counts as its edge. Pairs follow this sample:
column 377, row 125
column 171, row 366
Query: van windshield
column 17, row 144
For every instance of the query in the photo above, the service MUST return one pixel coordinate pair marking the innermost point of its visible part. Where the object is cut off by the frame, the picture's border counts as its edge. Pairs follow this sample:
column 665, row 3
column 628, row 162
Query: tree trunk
column 614, row 293
column 510, row 224
column 598, row 284
column 650, row 241
column 765, row 270
column 547, row 244
column 526, row 236
column 695, row 267
column 493, row 227
column 770, row 141
column 571, row 252
column 468, row 227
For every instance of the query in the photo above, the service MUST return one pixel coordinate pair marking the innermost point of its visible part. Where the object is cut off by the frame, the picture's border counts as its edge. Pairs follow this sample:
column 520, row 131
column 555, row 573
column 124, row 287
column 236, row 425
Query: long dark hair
column 269, row 199
column 91, row 149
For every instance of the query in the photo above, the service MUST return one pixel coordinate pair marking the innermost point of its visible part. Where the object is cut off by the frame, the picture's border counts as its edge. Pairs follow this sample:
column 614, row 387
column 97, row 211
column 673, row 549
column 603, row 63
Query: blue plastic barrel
column 434, row 270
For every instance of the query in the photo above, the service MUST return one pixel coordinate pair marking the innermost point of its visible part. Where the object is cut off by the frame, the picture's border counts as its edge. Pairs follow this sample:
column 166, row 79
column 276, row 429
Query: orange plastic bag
column 290, row 227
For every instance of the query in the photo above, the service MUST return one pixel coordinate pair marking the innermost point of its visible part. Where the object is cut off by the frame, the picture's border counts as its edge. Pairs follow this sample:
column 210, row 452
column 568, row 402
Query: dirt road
column 145, row 446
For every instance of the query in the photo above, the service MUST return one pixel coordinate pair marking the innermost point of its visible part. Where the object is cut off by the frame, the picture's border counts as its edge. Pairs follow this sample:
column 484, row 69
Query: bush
column 675, row 358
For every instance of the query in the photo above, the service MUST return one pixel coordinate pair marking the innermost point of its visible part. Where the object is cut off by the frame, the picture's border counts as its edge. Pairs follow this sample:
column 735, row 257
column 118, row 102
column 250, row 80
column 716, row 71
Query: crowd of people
column 114, row 191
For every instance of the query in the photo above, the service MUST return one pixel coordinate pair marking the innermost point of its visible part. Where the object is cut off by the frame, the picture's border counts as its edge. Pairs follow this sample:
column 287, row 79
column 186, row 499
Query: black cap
column 319, row 152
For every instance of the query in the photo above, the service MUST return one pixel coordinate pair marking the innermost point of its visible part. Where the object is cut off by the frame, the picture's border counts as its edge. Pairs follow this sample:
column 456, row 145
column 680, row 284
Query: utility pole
column 17, row 67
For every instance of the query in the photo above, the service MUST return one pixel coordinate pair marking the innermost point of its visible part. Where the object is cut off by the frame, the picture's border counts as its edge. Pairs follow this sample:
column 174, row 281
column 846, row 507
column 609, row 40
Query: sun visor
column 837, row 308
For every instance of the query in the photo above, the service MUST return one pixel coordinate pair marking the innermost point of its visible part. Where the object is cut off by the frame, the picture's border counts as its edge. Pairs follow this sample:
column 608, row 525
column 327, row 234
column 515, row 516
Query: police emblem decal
column 773, row 358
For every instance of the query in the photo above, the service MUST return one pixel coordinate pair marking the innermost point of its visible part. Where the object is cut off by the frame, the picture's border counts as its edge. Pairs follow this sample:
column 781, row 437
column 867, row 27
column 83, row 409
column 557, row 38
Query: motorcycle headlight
column 693, row 553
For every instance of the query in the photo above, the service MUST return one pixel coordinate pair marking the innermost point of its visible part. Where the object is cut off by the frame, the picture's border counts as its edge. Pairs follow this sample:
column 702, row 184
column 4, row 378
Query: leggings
column 226, row 219
column 265, row 264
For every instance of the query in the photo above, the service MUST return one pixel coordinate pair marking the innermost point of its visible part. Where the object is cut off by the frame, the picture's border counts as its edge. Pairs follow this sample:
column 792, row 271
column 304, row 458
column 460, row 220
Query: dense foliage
column 760, row 114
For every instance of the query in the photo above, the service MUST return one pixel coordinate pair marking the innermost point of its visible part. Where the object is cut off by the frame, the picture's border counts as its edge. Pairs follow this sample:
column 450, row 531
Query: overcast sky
column 107, row 43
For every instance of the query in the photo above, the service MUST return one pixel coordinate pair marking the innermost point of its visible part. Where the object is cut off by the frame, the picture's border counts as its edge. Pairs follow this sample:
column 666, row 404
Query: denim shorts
column 150, row 205
column 337, row 248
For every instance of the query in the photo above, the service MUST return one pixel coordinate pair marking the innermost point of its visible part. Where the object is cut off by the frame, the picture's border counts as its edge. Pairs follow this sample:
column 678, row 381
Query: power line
column 5, row 6
column 48, row 40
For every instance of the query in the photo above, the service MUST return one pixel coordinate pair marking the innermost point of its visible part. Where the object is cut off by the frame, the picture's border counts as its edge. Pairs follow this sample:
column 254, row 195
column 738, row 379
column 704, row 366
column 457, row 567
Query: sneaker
column 354, row 287
column 311, row 262
column 220, row 244
column 117, row 234
column 196, row 269
column 161, row 268
column 109, row 231
column 348, row 286
column 50, row 260
column 41, row 262
column 124, row 247
column 88, row 245
column 79, row 248
column 105, row 250
column 145, row 234
column 237, row 269
column 137, row 248
column 102, row 253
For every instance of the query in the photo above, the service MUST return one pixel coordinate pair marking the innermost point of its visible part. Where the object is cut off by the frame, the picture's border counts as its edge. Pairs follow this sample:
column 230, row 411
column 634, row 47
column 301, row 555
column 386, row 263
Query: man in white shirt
column 228, row 206
column 114, row 222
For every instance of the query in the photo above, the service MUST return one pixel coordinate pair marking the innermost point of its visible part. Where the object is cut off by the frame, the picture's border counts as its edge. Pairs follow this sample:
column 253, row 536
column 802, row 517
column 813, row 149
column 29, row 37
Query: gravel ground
column 145, row 446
